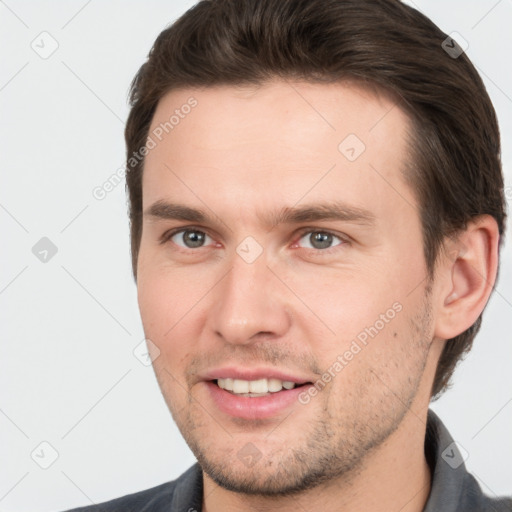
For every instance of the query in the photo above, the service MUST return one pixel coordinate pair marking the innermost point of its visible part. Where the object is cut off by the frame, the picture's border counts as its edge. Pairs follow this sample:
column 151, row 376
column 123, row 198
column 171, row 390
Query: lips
column 253, row 394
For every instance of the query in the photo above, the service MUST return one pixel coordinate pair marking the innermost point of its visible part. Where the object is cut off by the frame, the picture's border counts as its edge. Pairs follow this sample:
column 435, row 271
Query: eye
column 319, row 240
column 189, row 238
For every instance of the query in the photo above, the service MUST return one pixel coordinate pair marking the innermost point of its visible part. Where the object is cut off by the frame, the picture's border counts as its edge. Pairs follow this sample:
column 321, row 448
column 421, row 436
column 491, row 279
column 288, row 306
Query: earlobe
column 468, row 273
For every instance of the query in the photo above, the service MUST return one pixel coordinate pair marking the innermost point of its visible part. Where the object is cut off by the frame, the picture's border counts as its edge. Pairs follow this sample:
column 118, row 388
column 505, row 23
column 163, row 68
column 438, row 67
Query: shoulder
column 140, row 501
column 496, row 504
column 472, row 498
column 184, row 493
column 453, row 488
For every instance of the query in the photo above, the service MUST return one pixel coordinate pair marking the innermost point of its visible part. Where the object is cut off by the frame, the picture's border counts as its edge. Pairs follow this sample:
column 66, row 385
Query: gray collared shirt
column 453, row 488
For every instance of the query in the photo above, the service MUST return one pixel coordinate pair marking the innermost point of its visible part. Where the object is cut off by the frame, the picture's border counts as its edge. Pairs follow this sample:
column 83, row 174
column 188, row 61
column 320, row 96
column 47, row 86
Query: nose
column 249, row 304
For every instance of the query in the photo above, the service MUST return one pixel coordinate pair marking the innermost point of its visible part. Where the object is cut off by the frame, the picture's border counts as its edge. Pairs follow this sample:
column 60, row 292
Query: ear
column 466, row 273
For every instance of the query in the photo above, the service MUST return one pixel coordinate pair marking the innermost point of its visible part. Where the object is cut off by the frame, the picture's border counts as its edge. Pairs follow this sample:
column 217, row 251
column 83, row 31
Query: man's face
column 270, row 286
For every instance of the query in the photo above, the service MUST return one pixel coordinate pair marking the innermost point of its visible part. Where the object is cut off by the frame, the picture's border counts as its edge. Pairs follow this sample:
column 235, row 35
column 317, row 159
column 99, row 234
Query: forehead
column 295, row 138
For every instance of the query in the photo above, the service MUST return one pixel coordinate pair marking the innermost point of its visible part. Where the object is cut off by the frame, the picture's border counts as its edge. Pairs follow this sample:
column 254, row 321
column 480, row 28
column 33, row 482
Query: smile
column 254, row 388
column 254, row 399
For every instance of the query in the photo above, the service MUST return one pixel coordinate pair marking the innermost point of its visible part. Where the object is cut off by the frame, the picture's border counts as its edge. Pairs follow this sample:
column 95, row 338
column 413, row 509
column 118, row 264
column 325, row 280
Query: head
column 241, row 118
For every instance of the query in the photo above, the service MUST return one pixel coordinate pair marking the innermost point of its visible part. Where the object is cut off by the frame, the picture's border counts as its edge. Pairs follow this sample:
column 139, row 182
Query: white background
column 68, row 375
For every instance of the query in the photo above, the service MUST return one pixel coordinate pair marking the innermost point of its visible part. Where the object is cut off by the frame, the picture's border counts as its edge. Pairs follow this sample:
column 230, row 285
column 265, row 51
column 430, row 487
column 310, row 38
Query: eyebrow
column 164, row 210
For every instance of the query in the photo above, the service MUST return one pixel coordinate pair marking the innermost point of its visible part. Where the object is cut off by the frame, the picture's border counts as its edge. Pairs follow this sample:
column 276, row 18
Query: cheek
column 346, row 301
column 171, row 311
column 382, row 365
column 165, row 297
column 155, row 302
column 163, row 314
column 358, row 319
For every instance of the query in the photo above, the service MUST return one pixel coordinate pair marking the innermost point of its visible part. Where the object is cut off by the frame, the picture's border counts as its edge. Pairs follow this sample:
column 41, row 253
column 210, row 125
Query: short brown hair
column 456, row 172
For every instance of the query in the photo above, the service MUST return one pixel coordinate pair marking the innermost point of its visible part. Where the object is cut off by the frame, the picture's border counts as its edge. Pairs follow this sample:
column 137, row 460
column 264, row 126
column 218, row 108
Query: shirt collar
column 453, row 489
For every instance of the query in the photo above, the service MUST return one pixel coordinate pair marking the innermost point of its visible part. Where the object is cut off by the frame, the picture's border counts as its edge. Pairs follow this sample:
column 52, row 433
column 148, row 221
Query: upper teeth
column 260, row 386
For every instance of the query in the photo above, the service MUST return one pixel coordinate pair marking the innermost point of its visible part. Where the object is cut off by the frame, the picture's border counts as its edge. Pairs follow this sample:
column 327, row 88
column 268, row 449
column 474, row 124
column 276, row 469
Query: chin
column 284, row 472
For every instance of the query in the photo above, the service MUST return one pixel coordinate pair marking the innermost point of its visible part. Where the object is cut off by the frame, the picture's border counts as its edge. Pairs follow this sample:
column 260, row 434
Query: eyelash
column 343, row 239
column 169, row 234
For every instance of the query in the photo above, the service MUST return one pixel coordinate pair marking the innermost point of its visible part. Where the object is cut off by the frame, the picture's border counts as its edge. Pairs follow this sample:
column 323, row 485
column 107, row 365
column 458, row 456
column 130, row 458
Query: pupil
column 193, row 238
column 320, row 240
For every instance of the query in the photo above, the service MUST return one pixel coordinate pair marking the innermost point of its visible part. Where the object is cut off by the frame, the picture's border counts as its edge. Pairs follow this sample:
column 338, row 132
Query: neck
column 395, row 476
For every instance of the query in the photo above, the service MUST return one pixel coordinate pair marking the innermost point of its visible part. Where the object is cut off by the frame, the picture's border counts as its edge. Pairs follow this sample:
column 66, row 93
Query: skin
column 241, row 155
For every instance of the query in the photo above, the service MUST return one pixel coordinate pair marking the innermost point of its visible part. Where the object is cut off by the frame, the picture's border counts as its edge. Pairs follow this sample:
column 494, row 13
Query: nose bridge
column 247, row 302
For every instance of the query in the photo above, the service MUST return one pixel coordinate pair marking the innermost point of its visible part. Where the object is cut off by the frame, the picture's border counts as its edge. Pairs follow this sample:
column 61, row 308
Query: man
column 316, row 206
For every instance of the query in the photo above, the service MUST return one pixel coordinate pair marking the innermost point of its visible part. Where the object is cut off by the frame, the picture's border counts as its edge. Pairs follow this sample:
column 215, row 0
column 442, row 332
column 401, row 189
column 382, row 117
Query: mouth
column 255, row 393
column 256, row 388
column 256, row 399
